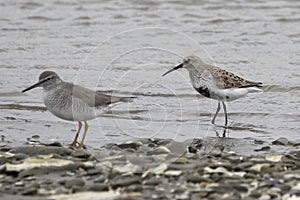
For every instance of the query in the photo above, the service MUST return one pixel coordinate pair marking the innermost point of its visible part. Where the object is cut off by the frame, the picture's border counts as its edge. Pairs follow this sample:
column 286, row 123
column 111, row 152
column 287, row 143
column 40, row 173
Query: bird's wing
column 92, row 98
column 225, row 79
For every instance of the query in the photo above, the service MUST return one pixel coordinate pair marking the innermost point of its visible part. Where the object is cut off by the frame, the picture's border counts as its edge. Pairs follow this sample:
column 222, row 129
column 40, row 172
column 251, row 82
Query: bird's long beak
column 34, row 86
column 175, row 68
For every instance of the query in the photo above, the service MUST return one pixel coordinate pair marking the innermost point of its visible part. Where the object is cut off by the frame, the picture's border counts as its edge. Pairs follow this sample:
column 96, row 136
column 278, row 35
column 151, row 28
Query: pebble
column 98, row 187
column 122, row 181
column 159, row 150
column 173, row 173
column 74, row 182
column 281, row 141
column 32, row 150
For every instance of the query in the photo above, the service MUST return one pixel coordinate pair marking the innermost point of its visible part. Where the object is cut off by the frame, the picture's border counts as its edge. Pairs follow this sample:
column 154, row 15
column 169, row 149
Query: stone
column 81, row 153
column 152, row 181
column 45, row 161
column 122, row 181
column 259, row 167
column 97, row 187
column 159, row 150
column 264, row 148
column 129, row 168
column 33, row 150
column 173, row 173
column 35, row 171
column 157, row 170
column 130, row 144
column 273, row 158
column 281, row 141
column 88, row 195
column 74, row 182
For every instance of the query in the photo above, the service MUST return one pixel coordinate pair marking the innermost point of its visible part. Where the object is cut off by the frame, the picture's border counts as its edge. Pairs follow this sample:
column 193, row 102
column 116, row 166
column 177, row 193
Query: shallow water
column 126, row 46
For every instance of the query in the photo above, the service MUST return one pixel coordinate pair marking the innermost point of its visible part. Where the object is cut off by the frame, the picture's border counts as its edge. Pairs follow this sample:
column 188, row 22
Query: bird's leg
column 226, row 119
column 225, row 112
column 218, row 109
column 74, row 143
column 86, row 127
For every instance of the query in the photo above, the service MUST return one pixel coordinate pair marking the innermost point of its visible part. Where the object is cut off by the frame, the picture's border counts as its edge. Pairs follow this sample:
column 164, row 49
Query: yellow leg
column 74, row 143
column 86, row 127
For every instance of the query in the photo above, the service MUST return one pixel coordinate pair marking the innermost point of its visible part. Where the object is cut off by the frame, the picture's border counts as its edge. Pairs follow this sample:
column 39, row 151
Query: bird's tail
column 121, row 99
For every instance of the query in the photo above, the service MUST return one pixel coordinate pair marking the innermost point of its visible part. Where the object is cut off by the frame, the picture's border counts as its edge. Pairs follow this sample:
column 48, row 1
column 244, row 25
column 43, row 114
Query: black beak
column 34, row 86
column 175, row 68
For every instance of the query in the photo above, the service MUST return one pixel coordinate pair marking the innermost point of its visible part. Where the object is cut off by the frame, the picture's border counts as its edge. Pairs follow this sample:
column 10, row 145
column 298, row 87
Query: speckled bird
column 216, row 83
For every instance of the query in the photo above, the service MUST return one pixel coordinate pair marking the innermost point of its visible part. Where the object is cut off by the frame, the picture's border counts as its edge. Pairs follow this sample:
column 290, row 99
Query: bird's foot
column 74, row 144
column 81, row 145
column 225, row 130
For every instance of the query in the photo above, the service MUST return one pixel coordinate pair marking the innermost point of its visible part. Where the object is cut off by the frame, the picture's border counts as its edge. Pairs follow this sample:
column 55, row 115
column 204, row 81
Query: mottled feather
column 225, row 79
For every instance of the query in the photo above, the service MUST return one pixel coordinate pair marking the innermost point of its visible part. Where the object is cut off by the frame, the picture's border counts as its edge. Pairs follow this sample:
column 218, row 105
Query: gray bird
column 73, row 102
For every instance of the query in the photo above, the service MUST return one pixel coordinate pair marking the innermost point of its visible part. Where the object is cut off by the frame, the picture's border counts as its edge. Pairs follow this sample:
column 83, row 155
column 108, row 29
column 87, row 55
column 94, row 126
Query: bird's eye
column 186, row 60
column 49, row 78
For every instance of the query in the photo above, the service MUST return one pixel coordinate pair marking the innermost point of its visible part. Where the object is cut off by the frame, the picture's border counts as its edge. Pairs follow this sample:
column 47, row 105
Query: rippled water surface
column 125, row 47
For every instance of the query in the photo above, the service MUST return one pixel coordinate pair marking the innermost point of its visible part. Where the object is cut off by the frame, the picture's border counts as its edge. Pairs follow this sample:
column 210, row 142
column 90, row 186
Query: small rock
column 33, row 172
column 19, row 184
column 159, row 150
column 130, row 144
column 265, row 148
column 54, row 144
column 139, row 160
column 216, row 152
column 274, row 158
column 42, row 150
column 292, row 175
column 281, row 141
column 258, row 142
column 173, row 173
column 97, row 187
column 183, row 196
column 197, row 178
column 122, row 181
column 93, row 171
column 265, row 197
column 75, row 182
column 10, row 118
column 259, row 167
column 104, row 166
column 44, row 161
column 157, row 170
column 109, row 195
column 30, row 190
column 152, row 181
column 81, row 153
column 86, row 165
column 129, row 168
column 221, row 170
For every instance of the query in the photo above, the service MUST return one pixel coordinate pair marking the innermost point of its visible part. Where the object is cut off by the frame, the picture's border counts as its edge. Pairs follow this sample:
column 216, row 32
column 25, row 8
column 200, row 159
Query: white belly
column 232, row 93
column 68, row 108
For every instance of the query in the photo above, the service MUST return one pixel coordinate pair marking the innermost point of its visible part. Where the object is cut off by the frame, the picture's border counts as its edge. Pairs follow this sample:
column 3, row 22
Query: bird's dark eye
column 186, row 60
column 49, row 78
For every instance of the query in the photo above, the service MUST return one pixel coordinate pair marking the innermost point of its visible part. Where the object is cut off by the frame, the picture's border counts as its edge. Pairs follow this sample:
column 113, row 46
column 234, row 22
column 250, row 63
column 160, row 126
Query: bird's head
column 189, row 62
column 47, row 80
